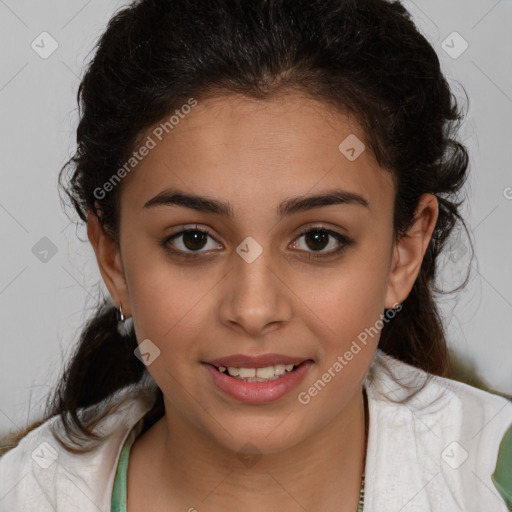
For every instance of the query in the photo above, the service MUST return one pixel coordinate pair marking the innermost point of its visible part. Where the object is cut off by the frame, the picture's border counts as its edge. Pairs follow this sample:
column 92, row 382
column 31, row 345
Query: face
column 265, row 276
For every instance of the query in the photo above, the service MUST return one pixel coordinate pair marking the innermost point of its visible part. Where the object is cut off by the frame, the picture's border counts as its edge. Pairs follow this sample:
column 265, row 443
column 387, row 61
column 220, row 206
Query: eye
column 189, row 241
column 318, row 238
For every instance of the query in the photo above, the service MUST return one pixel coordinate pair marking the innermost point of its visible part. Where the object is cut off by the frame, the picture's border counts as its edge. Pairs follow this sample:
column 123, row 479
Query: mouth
column 261, row 374
column 257, row 379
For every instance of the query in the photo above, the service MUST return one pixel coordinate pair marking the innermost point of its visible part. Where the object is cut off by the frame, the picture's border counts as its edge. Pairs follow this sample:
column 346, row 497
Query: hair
column 366, row 59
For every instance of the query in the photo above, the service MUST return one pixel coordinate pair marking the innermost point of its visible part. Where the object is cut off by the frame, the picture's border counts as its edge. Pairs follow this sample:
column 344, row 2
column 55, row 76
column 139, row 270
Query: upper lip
column 246, row 361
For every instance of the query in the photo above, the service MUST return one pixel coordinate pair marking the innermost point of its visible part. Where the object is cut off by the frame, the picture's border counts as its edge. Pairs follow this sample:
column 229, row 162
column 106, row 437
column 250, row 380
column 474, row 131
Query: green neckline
column 502, row 476
column 119, row 493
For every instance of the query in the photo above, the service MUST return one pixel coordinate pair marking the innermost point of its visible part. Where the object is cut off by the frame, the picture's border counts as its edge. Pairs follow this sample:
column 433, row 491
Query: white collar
column 406, row 466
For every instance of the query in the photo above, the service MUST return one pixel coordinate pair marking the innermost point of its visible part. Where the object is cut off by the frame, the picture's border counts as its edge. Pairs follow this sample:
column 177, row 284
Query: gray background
column 43, row 304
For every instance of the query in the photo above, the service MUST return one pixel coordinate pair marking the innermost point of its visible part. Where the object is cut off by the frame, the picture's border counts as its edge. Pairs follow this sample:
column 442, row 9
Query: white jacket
column 435, row 453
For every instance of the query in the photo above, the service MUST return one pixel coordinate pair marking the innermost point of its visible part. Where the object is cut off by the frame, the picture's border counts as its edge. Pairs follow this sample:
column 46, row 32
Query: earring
column 124, row 325
column 120, row 316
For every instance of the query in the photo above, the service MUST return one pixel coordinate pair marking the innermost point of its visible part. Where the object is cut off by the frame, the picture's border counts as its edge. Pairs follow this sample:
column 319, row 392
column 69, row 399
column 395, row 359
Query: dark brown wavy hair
column 362, row 57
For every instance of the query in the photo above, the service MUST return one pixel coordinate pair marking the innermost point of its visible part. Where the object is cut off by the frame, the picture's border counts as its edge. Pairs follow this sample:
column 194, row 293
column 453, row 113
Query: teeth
column 280, row 369
column 247, row 372
column 258, row 374
column 232, row 371
column 265, row 373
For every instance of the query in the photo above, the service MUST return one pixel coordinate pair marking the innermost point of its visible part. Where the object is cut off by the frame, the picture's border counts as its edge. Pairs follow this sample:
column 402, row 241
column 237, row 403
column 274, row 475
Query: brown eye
column 194, row 240
column 317, row 239
column 189, row 241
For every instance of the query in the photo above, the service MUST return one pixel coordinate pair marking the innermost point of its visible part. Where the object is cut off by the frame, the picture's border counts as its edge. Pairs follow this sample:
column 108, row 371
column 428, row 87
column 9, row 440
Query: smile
column 257, row 384
column 265, row 374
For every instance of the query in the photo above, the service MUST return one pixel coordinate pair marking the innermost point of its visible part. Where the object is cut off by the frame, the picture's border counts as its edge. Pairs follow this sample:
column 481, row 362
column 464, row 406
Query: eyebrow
column 173, row 197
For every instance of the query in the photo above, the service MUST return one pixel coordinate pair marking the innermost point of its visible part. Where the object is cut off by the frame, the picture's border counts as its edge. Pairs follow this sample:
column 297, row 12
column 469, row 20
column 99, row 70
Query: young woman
column 267, row 187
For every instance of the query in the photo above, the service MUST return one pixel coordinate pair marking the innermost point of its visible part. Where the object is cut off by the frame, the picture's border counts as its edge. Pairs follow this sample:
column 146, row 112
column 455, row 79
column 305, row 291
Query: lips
column 257, row 392
column 261, row 361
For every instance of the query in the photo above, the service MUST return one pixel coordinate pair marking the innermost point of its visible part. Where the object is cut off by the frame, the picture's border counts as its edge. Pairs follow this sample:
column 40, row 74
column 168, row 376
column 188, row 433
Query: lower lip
column 258, row 392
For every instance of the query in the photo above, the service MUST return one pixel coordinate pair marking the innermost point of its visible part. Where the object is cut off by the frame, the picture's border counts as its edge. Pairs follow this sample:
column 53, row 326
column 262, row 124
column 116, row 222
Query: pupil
column 195, row 240
column 195, row 237
column 317, row 237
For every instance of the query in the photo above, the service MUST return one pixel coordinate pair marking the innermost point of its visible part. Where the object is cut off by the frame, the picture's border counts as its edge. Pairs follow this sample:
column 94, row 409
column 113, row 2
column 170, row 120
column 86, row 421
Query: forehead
column 250, row 151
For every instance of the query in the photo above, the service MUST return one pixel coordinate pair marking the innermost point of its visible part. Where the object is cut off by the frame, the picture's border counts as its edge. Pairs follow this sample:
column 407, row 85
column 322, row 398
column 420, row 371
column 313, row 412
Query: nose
column 256, row 297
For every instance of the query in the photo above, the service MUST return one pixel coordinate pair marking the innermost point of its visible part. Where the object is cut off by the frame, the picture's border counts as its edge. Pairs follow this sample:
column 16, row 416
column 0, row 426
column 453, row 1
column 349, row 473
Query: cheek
column 167, row 301
column 169, row 312
column 345, row 301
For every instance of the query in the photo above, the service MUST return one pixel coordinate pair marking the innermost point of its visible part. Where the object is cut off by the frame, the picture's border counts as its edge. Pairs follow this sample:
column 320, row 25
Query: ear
column 109, row 261
column 409, row 251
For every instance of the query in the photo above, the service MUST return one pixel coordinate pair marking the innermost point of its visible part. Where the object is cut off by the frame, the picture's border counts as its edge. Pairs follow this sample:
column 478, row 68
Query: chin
column 259, row 436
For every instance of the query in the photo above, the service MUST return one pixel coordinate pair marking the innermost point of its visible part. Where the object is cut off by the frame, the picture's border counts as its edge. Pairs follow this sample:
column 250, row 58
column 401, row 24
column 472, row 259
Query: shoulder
column 391, row 381
column 502, row 476
column 445, row 439
column 40, row 474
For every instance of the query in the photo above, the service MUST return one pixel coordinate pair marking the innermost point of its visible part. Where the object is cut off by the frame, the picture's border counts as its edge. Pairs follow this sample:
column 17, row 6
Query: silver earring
column 124, row 325
column 121, row 317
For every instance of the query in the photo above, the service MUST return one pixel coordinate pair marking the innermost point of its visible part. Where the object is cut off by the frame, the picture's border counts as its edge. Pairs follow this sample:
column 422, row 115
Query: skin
column 255, row 154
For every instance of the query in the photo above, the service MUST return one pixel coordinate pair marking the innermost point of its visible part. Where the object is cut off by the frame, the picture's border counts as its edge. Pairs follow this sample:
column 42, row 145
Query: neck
column 321, row 472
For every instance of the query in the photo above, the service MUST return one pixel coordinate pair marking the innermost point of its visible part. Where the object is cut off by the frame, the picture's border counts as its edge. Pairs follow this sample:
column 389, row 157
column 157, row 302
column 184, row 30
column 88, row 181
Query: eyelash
column 345, row 241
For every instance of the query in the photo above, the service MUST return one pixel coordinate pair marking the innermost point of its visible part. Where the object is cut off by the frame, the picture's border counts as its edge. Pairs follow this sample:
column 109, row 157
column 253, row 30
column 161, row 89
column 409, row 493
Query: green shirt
column 119, row 492
column 502, row 476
